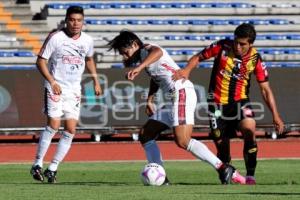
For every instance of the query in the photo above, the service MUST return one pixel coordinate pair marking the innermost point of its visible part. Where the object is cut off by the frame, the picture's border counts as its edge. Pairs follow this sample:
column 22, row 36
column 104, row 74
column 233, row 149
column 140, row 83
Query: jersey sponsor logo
column 228, row 74
column 72, row 60
column 168, row 67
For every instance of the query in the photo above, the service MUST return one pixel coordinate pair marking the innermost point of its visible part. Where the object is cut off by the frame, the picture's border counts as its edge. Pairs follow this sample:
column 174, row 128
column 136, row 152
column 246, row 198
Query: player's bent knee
column 181, row 144
column 144, row 138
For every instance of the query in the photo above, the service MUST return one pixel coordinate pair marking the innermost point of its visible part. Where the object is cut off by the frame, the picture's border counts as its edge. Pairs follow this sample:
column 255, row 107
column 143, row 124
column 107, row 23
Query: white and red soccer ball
column 153, row 174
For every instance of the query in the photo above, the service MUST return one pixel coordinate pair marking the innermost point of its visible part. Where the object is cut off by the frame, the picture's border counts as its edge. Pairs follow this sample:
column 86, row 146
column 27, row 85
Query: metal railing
column 98, row 132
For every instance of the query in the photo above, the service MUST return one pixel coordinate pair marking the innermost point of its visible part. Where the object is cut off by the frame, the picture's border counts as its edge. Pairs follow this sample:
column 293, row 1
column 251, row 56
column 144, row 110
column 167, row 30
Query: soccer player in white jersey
column 178, row 112
column 62, row 61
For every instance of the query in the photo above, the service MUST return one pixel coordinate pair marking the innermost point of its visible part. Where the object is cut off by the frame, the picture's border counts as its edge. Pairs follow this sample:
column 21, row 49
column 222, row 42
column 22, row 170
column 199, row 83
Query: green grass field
column 277, row 179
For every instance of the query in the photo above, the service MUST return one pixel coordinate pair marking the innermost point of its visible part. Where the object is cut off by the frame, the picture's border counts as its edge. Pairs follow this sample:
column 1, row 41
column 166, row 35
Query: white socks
column 63, row 147
column 152, row 152
column 201, row 151
column 44, row 143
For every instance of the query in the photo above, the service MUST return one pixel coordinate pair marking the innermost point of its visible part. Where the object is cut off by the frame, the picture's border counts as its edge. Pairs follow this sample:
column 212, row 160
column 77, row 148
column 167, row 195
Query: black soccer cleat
column 51, row 175
column 37, row 173
column 167, row 182
column 225, row 173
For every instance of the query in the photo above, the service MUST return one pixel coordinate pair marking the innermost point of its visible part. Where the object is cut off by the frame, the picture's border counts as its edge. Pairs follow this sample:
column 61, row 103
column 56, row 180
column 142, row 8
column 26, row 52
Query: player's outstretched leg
column 51, row 175
column 37, row 173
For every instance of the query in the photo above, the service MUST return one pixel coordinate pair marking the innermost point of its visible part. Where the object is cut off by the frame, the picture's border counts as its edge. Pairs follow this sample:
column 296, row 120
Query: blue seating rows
column 16, row 54
column 271, row 51
column 181, row 64
column 159, row 5
column 230, row 36
column 17, row 67
column 210, row 64
column 187, row 21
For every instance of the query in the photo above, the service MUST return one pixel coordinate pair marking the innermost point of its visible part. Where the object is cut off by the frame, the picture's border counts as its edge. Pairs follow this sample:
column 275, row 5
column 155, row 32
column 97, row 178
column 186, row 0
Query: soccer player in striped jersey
column 62, row 60
column 177, row 113
column 228, row 94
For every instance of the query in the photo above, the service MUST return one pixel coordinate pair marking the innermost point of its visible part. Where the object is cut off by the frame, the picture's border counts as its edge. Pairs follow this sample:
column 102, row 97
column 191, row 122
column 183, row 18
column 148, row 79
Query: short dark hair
column 74, row 10
column 123, row 40
column 245, row 30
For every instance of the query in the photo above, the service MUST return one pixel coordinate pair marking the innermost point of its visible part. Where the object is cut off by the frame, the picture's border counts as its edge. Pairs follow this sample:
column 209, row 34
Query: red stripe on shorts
column 181, row 107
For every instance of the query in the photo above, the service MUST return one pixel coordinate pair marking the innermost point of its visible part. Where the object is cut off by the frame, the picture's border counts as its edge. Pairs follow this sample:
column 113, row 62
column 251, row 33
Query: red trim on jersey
column 169, row 68
column 181, row 107
column 260, row 71
column 46, row 42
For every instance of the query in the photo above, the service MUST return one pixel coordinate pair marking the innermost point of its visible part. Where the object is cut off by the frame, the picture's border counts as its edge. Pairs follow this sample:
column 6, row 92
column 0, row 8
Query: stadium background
column 183, row 27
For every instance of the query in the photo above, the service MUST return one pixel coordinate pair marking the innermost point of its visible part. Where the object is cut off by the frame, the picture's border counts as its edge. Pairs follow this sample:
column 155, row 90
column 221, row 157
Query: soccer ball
column 153, row 174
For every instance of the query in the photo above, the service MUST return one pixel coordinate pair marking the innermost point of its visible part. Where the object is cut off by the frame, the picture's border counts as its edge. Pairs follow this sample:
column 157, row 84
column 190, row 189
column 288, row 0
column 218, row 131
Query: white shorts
column 66, row 105
column 181, row 109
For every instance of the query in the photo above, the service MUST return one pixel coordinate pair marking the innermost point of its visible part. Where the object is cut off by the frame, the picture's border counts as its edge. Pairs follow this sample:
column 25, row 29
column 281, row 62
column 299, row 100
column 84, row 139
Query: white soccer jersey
column 66, row 58
column 181, row 109
column 162, row 70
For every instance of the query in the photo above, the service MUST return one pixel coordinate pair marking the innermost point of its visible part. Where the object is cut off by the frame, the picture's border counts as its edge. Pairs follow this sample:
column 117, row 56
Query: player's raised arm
column 154, row 54
column 193, row 62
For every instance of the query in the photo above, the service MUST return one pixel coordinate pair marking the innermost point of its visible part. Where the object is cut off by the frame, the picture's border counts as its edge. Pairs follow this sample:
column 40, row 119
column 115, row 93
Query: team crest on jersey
column 68, row 59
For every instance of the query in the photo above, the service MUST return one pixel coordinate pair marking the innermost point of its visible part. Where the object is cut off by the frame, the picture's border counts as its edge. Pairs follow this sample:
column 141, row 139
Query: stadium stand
column 183, row 27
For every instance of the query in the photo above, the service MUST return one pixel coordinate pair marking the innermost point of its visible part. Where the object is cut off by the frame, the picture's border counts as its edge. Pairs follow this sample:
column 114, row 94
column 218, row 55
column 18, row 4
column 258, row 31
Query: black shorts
column 224, row 119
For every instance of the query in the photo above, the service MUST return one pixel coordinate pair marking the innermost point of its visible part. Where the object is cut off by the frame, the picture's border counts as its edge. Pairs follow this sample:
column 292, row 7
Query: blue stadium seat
column 137, row 22
column 293, row 37
column 218, row 37
column 99, row 6
column 17, row 67
column 276, row 51
column 6, row 54
column 201, row 5
column 218, row 22
column 279, row 21
column 83, row 5
column 174, row 37
column 178, row 22
column 157, row 22
column 120, row 5
column 140, row 5
column 194, row 37
column 95, row 22
column 292, row 51
column 160, row 5
column 116, row 22
column 24, row 54
column 16, row 54
column 198, row 22
column 221, row 5
column 117, row 65
column 57, row 6
column 261, row 37
column 180, row 5
column 276, row 37
column 283, row 64
column 241, row 5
